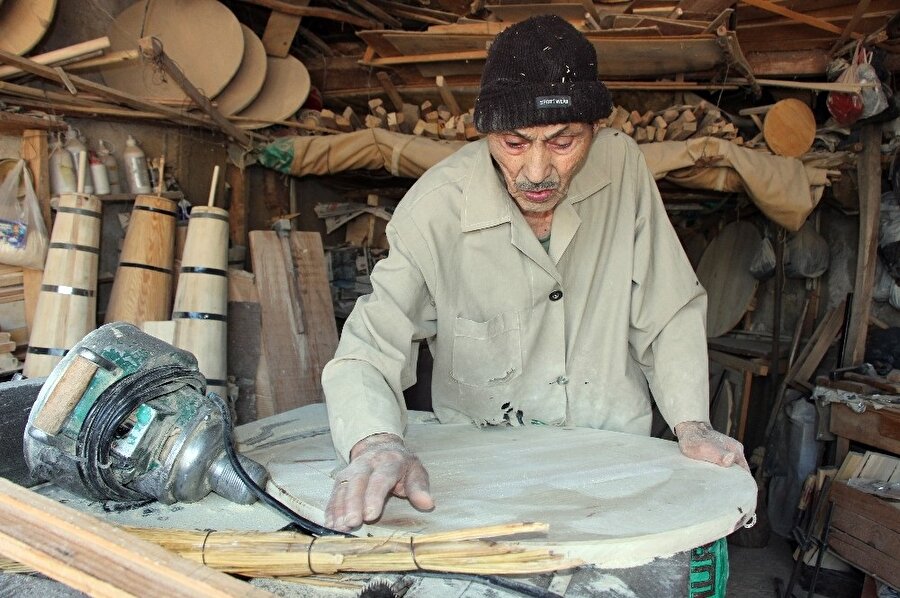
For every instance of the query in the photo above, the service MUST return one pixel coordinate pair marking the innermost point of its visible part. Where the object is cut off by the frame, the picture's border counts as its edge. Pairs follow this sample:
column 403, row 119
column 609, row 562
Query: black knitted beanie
column 541, row 71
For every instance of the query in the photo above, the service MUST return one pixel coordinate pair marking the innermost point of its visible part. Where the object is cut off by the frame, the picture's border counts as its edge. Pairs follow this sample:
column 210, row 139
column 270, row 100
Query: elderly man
column 540, row 266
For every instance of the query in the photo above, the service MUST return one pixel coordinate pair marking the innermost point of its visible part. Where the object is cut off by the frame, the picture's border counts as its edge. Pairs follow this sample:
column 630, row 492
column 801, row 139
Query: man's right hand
column 380, row 465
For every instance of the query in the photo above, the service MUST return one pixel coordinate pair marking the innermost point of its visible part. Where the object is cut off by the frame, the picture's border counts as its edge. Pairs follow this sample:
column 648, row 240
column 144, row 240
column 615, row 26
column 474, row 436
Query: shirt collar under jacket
column 487, row 202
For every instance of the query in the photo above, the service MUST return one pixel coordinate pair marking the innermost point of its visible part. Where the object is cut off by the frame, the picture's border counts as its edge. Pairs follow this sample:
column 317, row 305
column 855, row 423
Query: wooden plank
column 877, row 428
column 66, row 393
column 97, row 558
column 860, row 555
column 868, row 169
column 798, row 16
column 709, row 7
column 281, row 28
column 315, row 295
column 811, row 356
column 286, row 354
column 393, row 95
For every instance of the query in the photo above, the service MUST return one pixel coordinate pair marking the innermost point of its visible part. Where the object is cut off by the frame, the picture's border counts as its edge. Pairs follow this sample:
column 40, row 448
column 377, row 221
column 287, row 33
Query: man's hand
column 698, row 440
column 380, row 465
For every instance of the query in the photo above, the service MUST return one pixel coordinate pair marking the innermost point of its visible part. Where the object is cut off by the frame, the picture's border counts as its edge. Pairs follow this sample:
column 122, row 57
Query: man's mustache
column 545, row 185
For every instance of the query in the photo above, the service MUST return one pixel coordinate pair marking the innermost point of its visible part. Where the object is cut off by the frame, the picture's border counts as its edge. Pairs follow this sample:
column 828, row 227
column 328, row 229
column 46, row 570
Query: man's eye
column 563, row 143
column 515, row 144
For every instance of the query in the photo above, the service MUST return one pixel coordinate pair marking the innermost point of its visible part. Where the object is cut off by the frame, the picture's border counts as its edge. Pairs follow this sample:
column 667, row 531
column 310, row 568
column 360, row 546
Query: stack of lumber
column 14, row 333
column 676, row 123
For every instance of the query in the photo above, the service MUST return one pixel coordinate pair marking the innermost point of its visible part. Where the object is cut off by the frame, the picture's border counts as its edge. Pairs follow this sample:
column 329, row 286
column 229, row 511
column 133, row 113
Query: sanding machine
column 125, row 416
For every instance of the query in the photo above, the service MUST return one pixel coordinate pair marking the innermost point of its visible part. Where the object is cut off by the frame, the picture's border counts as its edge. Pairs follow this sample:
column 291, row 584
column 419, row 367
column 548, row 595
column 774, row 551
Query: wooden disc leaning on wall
column 789, row 128
column 142, row 289
column 286, row 88
column 201, row 301
column 67, row 303
column 248, row 81
column 724, row 272
column 23, row 23
column 202, row 37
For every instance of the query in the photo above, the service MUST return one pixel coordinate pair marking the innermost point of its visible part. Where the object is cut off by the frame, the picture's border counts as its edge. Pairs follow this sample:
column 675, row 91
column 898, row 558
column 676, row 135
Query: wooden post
column 391, row 91
column 36, row 154
column 237, row 207
column 447, row 96
column 868, row 167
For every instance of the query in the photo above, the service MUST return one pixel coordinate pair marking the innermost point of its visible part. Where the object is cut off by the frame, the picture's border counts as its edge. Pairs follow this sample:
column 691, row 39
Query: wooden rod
column 60, row 55
column 391, row 91
column 97, row 558
column 212, row 187
column 152, row 49
column 104, row 60
column 447, row 96
column 797, row 16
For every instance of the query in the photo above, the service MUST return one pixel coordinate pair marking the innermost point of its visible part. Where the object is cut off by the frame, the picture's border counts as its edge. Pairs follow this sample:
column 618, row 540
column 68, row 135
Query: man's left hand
column 698, row 440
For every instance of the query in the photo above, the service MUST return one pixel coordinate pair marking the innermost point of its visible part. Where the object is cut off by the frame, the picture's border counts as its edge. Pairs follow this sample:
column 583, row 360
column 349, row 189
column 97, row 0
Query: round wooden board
column 248, row 81
column 611, row 499
column 789, row 128
column 284, row 91
column 23, row 23
column 202, row 37
column 724, row 271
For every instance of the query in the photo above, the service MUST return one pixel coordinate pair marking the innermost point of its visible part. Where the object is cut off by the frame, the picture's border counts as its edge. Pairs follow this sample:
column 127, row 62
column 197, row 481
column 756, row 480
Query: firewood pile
column 676, row 123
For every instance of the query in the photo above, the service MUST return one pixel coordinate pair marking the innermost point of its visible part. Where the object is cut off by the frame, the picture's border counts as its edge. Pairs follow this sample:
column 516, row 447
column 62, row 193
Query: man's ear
column 595, row 126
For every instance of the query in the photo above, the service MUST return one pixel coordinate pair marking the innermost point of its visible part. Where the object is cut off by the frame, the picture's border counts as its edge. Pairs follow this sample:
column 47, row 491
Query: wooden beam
column 89, row 47
column 391, row 91
column 152, row 49
column 97, row 558
column 237, row 180
column 868, row 169
column 307, row 11
column 107, row 92
column 851, row 25
column 447, row 96
column 797, row 16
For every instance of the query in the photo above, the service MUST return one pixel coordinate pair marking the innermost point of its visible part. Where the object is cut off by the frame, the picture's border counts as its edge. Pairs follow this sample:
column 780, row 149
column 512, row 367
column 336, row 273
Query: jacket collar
column 487, row 202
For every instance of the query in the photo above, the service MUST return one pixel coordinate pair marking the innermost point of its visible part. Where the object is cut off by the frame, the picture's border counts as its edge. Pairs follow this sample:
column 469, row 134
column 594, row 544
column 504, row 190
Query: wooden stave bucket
column 66, row 309
column 201, row 300
column 142, row 289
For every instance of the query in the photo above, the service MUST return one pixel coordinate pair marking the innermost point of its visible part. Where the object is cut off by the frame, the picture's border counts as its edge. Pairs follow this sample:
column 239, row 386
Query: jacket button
column 556, row 295
column 562, row 380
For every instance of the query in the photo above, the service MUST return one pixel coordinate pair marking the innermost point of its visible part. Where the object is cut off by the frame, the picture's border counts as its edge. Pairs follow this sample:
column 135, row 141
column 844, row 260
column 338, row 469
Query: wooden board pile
column 676, row 123
column 12, row 317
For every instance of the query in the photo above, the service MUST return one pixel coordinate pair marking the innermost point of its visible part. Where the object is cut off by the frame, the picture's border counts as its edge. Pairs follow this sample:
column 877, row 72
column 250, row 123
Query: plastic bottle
column 112, row 167
column 99, row 174
column 76, row 146
column 136, row 171
column 62, row 169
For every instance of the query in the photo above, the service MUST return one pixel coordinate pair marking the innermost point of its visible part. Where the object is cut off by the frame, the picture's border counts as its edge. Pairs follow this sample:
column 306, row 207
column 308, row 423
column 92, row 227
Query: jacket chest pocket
column 487, row 353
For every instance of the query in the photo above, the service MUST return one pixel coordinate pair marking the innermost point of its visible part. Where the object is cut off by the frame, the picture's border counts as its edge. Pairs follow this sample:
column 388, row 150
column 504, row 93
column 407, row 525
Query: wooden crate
column 865, row 531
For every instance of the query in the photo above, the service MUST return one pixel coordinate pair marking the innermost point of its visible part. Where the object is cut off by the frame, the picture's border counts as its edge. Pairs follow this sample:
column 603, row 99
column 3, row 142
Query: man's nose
column 537, row 164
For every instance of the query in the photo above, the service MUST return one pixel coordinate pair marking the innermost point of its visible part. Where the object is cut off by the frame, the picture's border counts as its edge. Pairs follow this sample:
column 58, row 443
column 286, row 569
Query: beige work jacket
column 584, row 334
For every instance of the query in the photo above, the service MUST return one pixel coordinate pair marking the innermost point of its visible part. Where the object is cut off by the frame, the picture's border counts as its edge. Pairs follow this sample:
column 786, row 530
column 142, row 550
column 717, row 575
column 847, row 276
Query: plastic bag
column 23, row 236
column 763, row 265
column 846, row 107
column 806, row 254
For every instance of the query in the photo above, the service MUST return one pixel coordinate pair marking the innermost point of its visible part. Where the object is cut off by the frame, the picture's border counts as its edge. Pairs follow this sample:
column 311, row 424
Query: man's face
column 538, row 163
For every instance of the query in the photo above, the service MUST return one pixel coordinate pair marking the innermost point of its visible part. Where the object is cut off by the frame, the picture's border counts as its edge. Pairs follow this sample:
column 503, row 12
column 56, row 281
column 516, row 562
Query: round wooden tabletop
column 23, row 23
column 202, row 37
column 789, row 128
column 248, row 81
column 286, row 87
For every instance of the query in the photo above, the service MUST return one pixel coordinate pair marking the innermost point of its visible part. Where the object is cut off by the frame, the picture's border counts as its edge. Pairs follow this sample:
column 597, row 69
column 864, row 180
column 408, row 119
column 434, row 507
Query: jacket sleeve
column 376, row 357
column 668, row 311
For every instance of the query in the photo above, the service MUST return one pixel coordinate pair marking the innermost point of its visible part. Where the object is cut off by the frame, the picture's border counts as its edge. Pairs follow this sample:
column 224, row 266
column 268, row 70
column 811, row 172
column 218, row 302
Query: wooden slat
column 868, row 169
column 287, row 356
column 806, row 363
column 315, row 295
column 97, row 558
column 861, row 556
